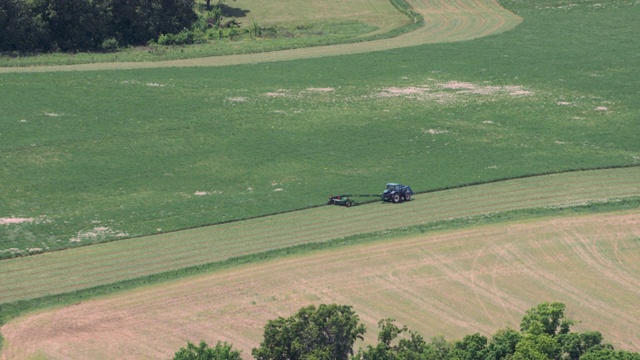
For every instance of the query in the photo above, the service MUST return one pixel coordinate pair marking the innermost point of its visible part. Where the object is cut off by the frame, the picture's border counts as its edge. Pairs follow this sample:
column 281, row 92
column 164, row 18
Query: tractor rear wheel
column 395, row 198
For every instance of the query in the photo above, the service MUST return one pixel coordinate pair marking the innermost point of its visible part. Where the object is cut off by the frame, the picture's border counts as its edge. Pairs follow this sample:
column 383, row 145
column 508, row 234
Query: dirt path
column 446, row 21
column 451, row 283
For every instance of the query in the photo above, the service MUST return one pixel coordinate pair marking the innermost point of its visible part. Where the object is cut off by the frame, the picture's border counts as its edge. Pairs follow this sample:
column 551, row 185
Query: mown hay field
column 450, row 283
column 87, row 267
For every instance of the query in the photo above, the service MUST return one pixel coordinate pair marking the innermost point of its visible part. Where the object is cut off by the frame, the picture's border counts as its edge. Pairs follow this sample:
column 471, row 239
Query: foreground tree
column 610, row 354
column 396, row 343
column 327, row 332
column 503, row 344
column 549, row 316
column 222, row 351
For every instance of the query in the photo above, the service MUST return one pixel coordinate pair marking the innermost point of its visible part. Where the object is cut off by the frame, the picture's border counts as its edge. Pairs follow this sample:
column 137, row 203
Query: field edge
column 11, row 310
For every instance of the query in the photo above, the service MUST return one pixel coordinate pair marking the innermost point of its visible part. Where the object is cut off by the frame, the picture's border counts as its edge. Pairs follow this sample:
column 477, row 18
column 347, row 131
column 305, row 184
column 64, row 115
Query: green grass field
column 95, row 156
column 135, row 155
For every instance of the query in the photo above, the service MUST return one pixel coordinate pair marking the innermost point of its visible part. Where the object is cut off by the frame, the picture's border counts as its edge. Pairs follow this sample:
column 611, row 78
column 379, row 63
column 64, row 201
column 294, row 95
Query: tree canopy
column 330, row 331
column 222, row 351
column 327, row 332
column 79, row 25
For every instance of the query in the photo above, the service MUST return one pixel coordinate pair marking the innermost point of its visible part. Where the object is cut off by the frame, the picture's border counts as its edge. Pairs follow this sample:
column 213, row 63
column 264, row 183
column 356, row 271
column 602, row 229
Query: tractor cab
column 396, row 193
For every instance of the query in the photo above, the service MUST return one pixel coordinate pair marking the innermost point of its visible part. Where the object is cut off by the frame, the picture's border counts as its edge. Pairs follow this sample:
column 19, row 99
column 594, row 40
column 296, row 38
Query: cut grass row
column 92, row 266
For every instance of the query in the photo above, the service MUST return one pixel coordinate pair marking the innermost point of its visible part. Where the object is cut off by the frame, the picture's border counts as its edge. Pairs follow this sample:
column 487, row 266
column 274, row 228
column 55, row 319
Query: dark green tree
column 222, row 351
column 20, row 29
column 502, row 344
column 85, row 25
column 168, row 16
column 396, row 343
column 471, row 347
column 74, row 25
column 130, row 22
column 537, row 345
column 324, row 333
column 610, row 354
column 550, row 316
column 574, row 345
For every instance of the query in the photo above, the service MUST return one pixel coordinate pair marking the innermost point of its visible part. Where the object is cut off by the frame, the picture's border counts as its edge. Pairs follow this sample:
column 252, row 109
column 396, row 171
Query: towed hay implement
column 394, row 193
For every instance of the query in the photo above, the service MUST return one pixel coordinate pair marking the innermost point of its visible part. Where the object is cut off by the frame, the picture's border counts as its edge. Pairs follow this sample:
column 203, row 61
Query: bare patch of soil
column 14, row 220
column 98, row 232
column 451, row 91
column 321, row 90
column 450, row 283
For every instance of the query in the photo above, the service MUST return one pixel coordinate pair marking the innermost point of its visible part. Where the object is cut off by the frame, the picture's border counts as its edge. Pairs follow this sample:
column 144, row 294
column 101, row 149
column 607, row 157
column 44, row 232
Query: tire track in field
column 537, row 266
column 422, row 281
column 587, row 250
column 476, row 286
column 451, row 16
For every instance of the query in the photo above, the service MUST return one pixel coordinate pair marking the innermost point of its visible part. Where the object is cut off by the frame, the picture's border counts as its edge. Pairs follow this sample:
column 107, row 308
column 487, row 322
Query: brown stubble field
column 450, row 283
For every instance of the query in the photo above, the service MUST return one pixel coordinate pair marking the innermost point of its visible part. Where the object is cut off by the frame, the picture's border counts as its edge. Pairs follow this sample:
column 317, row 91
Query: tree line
column 329, row 332
column 32, row 26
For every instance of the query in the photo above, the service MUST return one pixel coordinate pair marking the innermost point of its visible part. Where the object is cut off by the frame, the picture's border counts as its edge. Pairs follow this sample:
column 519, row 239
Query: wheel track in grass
column 454, row 20
column 100, row 264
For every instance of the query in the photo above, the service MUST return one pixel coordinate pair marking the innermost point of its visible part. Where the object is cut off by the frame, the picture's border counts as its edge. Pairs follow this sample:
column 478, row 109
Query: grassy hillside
column 94, row 156
column 135, row 155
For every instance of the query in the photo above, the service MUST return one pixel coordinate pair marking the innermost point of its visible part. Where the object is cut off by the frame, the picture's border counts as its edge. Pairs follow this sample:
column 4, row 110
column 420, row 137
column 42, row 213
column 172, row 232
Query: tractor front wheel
column 407, row 197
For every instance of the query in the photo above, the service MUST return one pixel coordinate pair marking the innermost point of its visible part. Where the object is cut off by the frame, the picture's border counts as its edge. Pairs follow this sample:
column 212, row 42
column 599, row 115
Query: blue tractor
column 396, row 193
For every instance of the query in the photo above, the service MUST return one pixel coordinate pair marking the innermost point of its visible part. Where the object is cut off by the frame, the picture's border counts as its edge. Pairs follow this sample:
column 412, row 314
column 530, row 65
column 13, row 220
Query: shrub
column 110, row 45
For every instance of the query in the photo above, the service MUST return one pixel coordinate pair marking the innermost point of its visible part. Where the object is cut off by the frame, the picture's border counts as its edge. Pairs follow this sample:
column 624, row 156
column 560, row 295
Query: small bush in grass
column 110, row 45
column 255, row 30
column 182, row 38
